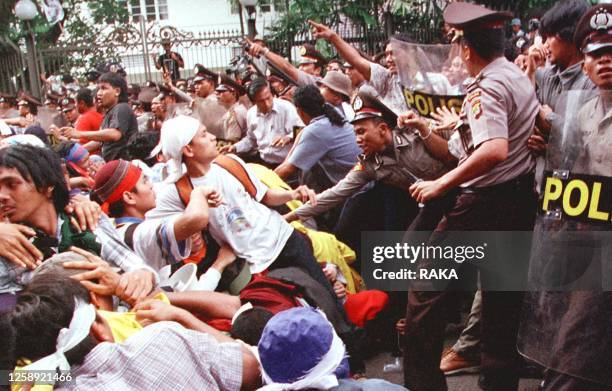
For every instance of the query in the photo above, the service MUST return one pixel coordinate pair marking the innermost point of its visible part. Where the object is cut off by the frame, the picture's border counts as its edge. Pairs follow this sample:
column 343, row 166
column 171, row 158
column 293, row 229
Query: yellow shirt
column 122, row 324
column 326, row 248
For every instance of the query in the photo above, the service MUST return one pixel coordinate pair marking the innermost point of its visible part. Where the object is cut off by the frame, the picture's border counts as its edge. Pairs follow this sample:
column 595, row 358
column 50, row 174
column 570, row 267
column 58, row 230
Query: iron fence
column 12, row 71
column 136, row 47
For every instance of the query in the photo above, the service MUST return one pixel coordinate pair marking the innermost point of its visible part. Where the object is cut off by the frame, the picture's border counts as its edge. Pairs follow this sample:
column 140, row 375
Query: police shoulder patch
column 477, row 109
column 474, row 95
column 358, row 167
column 475, row 103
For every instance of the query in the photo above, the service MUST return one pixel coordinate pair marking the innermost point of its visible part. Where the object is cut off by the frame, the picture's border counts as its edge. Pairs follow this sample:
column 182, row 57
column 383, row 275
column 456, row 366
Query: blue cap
column 515, row 22
column 293, row 342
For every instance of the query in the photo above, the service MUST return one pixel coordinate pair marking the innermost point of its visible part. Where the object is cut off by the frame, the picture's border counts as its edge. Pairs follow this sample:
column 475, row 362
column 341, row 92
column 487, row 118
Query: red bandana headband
column 123, row 179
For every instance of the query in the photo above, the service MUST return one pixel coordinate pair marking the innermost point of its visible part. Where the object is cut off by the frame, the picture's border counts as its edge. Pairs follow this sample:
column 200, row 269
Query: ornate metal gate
column 136, row 47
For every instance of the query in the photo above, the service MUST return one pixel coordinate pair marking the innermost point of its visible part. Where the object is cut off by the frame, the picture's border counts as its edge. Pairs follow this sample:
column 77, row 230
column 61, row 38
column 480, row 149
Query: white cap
column 175, row 134
column 24, row 139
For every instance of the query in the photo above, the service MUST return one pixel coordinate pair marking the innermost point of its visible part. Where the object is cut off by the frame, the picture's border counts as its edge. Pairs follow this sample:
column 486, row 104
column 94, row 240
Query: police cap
column 273, row 75
column 366, row 105
column 594, row 30
column 27, row 100
column 203, row 73
column 468, row 17
column 226, row 83
column 310, row 55
column 67, row 104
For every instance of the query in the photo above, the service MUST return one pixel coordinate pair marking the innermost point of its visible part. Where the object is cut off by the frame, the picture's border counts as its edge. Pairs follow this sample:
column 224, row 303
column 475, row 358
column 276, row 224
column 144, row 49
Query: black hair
column 39, row 132
column 33, row 108
column 140, row 146
column 86, row 96
column 309, row 99
column 404, row 37
column 256, row 86
column 250, row 324
column 487, row 43
column 117, row 81
column 67, row 79
column 63, row 149
column 562, row 18
column 116, row 209
column 42, row 166
column 43, row 308
column 9, row 340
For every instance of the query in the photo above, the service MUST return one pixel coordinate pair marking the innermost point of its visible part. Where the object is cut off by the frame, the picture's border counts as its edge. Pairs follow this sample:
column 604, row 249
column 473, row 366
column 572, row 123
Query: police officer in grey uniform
column 392, row 157
column 595, row 117
column 567, row 313
column 496, row 193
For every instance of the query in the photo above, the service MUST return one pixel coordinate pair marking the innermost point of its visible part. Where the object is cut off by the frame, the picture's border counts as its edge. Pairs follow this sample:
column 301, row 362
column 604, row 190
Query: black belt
column 520, row 183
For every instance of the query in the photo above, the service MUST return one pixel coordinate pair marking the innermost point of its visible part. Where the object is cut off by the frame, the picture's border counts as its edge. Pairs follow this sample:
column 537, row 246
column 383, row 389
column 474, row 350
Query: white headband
column 245, row 307
column 320, row 377
column 83, row 317
column 175, row 134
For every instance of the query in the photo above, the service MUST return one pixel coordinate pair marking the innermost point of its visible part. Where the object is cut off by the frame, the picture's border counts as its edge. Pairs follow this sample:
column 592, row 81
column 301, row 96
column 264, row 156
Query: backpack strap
column 184, row 188
column 238, row 171
column 129, row 235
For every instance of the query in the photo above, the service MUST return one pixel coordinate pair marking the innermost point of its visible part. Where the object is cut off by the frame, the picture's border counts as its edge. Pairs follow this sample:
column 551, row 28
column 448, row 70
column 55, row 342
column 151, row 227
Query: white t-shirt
column 254, row 231
column 154, row 241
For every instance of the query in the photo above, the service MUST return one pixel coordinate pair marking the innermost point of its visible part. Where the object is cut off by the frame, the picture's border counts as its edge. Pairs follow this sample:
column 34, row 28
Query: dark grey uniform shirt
column 551, row 82
column 595, row 122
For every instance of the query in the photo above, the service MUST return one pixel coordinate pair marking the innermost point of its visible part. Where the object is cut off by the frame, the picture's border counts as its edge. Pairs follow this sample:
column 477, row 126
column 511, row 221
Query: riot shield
column 176, row 109
column 567, row 314
column 47, row 117
column 8, row 113
column 432, row 76
column 210, row 113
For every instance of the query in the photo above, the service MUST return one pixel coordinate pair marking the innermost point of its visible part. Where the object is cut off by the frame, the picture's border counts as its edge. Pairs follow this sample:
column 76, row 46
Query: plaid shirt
column 114, row 251
column 160, row 357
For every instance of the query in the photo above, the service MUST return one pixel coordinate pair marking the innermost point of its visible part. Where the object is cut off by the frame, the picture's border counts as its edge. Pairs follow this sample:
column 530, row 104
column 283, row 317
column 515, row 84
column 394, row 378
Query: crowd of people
column 205, row 232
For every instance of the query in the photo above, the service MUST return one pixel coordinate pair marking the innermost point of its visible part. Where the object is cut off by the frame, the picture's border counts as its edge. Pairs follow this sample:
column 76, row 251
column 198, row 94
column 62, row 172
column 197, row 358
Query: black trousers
column 510, row 206
column 298, row 253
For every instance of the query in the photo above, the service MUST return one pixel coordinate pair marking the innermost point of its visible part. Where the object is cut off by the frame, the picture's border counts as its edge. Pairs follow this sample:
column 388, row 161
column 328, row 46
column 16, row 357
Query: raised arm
column 345, row 50
column 195, row 217
column 257, row 50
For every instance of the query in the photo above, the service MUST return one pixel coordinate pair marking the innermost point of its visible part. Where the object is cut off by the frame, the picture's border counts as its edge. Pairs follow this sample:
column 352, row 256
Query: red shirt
column 88, row 121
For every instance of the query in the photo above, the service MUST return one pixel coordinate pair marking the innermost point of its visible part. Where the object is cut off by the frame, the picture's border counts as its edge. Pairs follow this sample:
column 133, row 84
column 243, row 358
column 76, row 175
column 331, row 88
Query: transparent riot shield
column 47, row 117
column 432, row 76
column 176, row 109
column 8, row 113
column 567, row 315
column 211, row 113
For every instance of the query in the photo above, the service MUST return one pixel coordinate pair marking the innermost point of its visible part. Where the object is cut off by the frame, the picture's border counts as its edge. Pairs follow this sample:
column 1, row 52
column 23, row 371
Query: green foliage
column 83, row 25
column 422, row 19
column 371, row 17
